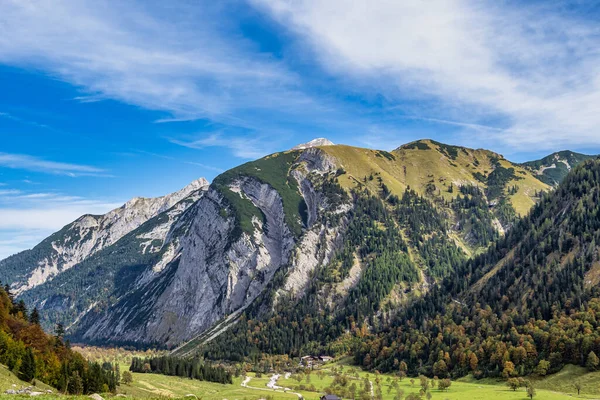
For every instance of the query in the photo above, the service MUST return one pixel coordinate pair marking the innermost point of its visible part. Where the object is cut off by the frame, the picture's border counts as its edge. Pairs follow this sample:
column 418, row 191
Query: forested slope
column 32, row 354
column 530, row 302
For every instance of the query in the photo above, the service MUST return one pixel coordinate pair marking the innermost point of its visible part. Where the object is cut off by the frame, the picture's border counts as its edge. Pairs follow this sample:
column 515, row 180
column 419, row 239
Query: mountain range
column 351, row 233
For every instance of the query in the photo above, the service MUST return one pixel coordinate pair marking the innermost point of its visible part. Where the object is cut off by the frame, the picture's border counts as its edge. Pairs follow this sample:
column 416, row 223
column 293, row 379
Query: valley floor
column 146, row 386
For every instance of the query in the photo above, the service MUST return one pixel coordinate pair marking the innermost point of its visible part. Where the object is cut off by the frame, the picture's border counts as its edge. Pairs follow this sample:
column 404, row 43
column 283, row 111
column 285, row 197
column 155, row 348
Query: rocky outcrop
column 314, row 143
column 92, row 233
column 206, row 273
column 210, row 276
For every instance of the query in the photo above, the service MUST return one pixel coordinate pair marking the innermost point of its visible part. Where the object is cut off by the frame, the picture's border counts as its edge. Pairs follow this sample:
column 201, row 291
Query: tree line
column 34, row 355
column 528, row 305
column 187, row 368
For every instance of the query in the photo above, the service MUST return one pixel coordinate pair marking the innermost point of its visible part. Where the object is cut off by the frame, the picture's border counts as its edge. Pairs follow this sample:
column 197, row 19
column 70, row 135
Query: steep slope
column 530, row 302
column 398, row 241
column 444, row 173
column 240, row 234
column 549, row 258
column 113, row 271
column 85, row 237
column 34, row 356
column 325, row 230
column 433, row 168
column 553, row 168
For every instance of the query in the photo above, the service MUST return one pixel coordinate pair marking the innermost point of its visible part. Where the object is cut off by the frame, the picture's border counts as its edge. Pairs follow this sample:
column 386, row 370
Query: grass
column 153, row 385
column 8, row 379
column 146, row 386
column 424, row 162
column 274, row 170
column 563, row 380
column 550, row 388
column 524, row 199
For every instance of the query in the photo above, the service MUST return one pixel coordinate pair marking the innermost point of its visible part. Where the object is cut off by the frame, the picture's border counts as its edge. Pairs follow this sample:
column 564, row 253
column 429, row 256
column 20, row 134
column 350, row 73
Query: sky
column 101, row 101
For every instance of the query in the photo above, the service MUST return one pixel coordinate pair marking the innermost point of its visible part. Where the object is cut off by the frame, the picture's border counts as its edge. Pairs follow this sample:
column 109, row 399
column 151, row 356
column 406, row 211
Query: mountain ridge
column 256, row 236
column 92, row 233
column 553, row 168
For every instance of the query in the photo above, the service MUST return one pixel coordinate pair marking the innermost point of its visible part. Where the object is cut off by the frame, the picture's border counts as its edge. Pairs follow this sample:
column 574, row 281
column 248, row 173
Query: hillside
column 553, row 168
column 283, row 232
column 528, row 304
column 430, row 167
column 402, row 233
column 29, row 355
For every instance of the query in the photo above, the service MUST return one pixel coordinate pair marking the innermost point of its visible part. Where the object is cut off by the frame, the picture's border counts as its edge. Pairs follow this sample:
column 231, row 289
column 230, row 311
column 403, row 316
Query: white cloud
column 24, row 121
column 31, row 163
column 529, row 67
column 205, row 166
column 249, row 147
column 181, row 58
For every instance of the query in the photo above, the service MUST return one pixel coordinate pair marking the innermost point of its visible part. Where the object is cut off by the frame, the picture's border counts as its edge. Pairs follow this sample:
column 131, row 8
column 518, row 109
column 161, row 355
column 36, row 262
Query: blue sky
column 101, row 101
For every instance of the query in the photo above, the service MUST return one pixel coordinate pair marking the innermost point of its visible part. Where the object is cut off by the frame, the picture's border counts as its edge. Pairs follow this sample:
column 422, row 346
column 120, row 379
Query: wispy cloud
column 31, row 163
column 249, row 147
column 166, row 157
column 183, row 59
column 14, row 241
column 530, row 68
column 24, row 121
column 205, row 166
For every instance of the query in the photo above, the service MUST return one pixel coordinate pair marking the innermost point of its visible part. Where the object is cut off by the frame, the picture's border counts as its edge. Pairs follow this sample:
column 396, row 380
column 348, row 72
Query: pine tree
column 75, row 383
column 27, row 369
column 592, row 361
column 20, row 308
column 34, row 318
column 59, row 332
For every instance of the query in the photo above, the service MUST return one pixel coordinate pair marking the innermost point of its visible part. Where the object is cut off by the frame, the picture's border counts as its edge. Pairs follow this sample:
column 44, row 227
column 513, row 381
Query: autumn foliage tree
column 32, row 354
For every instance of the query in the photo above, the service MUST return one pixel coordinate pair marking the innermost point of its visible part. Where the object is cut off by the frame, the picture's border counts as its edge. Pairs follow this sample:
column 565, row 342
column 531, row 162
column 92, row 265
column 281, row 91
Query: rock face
column 88, row 235
column 212, row 273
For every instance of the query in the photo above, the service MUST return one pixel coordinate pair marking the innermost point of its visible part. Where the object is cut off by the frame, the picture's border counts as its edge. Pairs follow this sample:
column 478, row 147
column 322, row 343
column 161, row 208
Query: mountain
column 529, row 303
column 553, row 168
column 314, row 143
column 328, row 230
column 85, row 237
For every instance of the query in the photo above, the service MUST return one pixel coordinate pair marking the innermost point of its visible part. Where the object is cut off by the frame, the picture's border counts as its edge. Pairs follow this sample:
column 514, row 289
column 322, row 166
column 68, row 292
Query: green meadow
column 148, row 386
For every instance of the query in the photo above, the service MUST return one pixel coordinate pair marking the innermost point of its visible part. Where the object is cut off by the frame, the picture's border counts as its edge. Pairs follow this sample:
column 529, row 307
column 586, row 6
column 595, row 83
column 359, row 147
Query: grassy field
column 152, row 386
column 8, row 379
column 147, row 386
column 557, row 386
column 563, row 380
column 417, row 168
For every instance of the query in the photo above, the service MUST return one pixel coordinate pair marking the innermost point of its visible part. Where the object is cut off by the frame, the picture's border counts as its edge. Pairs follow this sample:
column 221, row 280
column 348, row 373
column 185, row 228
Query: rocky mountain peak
column 314, row 143
column 92, row 233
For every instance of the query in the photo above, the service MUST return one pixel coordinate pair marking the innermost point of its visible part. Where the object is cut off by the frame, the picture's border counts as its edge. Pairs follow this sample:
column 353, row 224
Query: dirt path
column 248, row 379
